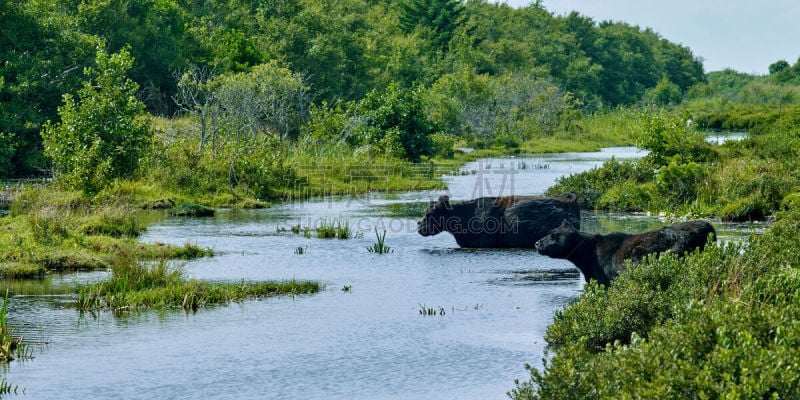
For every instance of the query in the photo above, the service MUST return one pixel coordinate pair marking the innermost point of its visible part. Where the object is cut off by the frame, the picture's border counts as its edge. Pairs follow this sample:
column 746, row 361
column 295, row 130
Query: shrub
column 679, row 183
column 750, row 208
column 443, row 144
column 590, row 185
column 397, row 111
column 104, row 134
column 625, row 196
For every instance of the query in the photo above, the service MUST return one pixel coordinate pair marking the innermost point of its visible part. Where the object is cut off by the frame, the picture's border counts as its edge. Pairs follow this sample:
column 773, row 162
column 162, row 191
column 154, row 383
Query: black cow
column 602, row 257
column 499, row 222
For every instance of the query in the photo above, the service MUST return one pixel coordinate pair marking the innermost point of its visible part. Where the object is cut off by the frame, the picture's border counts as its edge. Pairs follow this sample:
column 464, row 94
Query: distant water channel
column 368, row 342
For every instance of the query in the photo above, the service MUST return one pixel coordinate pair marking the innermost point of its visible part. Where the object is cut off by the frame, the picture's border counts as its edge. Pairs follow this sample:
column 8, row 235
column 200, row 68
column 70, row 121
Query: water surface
column 368, row 342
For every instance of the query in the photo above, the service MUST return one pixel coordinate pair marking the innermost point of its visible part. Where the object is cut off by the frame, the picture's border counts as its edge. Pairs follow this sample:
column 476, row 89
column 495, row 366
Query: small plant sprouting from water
column 380, row 247
column 7, row 388
column 330, row 229
column 301, row 250
column 346, row 288
column 538, row 165
column 327, row 229
column 426, row 311
column 11, row 348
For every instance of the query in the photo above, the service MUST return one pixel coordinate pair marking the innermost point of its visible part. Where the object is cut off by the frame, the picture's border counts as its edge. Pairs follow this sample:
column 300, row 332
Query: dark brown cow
column 499, row 222
column 602, row 257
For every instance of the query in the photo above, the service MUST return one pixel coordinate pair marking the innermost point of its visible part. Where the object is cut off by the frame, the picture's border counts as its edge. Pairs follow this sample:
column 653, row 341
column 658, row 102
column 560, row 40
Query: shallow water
column 722, row 136
column 370, row 342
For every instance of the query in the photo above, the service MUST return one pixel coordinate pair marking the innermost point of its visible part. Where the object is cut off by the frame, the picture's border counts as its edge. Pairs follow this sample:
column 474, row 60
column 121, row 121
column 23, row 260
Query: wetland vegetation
column 129, row 107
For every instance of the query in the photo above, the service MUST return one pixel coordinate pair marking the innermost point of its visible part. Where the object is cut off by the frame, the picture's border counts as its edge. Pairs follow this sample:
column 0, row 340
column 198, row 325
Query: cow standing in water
column 499, row 222
column 602, row 257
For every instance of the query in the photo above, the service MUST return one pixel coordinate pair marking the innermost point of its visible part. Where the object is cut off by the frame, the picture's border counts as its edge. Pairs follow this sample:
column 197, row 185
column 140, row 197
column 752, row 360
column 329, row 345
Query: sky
column 744, row 35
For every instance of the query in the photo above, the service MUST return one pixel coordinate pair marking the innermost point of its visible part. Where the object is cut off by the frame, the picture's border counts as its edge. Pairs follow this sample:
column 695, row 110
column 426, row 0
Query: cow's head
column 435, row 217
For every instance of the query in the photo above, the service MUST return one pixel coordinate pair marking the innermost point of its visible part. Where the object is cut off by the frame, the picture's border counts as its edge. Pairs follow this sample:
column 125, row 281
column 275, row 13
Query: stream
column 363, row 337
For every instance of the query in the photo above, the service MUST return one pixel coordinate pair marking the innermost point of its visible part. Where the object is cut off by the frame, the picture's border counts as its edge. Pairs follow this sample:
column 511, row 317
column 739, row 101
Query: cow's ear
column 444, row 201
column 570, row 196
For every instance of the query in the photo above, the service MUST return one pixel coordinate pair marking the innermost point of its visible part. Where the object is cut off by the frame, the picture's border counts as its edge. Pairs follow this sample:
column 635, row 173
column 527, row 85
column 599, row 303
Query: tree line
column 243, row 67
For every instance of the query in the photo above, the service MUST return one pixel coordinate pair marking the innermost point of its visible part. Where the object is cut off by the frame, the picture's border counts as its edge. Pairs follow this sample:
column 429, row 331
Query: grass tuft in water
column 11, row 348
column 380, row 247
column 426, row 311
column 330, row 229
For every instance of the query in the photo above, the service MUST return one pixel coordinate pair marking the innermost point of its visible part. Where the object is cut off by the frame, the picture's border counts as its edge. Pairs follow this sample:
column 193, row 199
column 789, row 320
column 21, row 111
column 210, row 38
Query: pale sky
column 744, row 35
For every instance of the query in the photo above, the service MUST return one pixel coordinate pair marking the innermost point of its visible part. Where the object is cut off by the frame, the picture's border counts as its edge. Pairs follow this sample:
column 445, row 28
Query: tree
column 268, row 99
column 628, row 61
column 104, row 133
column 394, row 122
column 195, row 98
column 778, row 66
column 664, row 93
column 152, row 30
column 42, row 55
column 441, row 17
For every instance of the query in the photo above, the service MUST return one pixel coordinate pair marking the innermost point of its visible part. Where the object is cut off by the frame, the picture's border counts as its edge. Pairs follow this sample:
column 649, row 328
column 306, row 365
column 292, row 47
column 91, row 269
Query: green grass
column 134, row 286
column 55, row 231
column 334, row 229
column 380, row 246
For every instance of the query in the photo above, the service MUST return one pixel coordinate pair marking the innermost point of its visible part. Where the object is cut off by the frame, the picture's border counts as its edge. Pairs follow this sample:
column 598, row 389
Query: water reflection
column 721, row 137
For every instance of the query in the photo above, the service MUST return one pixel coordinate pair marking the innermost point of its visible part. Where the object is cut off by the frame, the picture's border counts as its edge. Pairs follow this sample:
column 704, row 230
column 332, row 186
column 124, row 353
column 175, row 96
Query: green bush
column 679, row 183
column 592, row 184
column 750, row 208
column 641, row 297
column 104, row 134
column 626, row 196
column 443, row 144
column 399, row 112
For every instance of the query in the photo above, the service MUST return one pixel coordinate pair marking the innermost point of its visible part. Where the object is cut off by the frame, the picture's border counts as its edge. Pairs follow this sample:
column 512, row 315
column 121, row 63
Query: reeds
column 380, row 247
column 11, row 348
column 330, row 229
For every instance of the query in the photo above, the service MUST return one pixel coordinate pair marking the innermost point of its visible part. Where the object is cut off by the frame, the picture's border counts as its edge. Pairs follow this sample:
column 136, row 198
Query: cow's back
column 528, row 219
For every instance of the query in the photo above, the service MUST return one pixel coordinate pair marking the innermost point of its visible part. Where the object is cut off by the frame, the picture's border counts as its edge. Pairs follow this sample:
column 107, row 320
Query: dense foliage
column 483, row 70
column 683, row 175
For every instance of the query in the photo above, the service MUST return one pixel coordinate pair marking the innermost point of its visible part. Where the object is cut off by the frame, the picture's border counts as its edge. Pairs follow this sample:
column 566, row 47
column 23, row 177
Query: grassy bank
column 683, row 175
column 48, row 230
